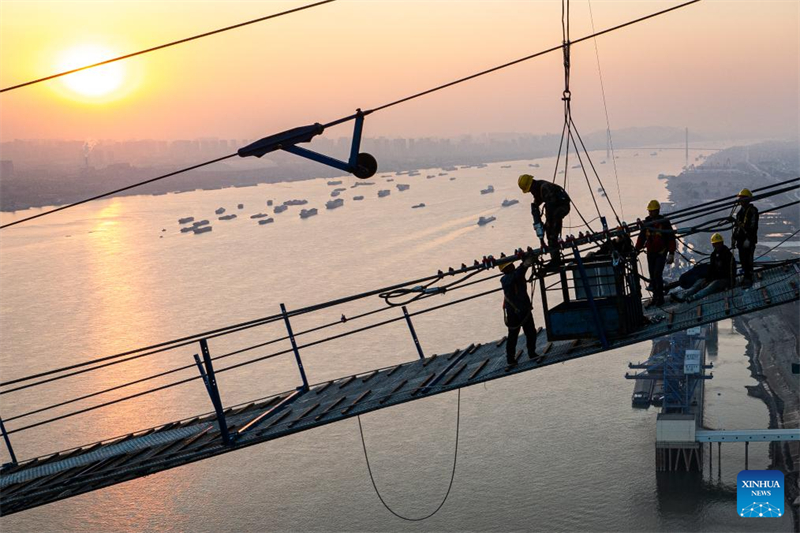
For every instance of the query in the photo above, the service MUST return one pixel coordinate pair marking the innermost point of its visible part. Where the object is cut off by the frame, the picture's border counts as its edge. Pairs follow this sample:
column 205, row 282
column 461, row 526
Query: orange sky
column 719, row 66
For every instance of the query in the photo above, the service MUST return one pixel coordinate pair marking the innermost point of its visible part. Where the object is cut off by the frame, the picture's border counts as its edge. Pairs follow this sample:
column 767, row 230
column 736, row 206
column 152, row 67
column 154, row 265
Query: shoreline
column 766, row 351
column 772, row 334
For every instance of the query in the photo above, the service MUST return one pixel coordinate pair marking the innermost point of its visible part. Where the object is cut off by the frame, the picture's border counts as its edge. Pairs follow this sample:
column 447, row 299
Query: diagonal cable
column 166, row 45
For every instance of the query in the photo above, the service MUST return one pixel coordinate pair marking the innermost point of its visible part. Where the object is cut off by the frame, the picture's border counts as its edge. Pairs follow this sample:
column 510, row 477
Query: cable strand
column 452, row 474
column 166, row 45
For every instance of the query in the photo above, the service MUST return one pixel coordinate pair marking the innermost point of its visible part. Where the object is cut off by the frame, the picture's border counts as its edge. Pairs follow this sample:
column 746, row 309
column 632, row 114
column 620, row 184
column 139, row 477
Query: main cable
column 115, row 191
column 779, row 244
column 183, row 341
column 167, row 45
column 189, row 339
column 249, row 362
column 191, row 365
column 373, row 110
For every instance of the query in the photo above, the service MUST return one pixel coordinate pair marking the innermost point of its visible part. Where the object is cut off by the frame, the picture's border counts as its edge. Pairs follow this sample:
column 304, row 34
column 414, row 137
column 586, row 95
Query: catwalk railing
column 402, row 295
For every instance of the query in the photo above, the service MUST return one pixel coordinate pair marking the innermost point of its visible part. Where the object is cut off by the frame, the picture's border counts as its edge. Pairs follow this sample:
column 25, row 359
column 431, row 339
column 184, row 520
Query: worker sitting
column 517, row 308
column 720, row 276
column 658, row 237
column 556, row 207
column 745, row 233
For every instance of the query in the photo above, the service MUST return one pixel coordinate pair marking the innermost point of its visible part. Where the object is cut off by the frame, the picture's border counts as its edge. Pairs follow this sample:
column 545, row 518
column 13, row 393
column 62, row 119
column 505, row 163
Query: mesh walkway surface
column 50, row 478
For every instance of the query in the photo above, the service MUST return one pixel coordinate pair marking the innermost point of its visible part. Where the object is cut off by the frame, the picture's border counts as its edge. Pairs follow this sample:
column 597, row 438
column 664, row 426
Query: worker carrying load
column 658, row 237
column 720, row 276
column 517, row 308
column 556, row 207
column 745, row 233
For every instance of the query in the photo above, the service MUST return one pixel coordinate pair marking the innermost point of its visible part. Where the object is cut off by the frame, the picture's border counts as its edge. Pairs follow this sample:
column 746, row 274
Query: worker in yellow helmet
column 658, row 237
column 745, row 233
column 556, row 207
column 720, row 276
column 517, row 308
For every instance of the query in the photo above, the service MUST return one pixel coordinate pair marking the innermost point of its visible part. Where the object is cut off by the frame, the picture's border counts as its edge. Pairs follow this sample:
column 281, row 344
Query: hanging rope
column 366, row 112
column 605, row 107
column 452, row 474
column 570, row 133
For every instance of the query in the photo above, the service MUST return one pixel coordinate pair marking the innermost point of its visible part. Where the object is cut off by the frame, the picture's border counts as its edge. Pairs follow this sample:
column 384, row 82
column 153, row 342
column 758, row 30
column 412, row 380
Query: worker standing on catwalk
column 556, row 207
column 658, row 237
column 745, row 233
column 517, row 308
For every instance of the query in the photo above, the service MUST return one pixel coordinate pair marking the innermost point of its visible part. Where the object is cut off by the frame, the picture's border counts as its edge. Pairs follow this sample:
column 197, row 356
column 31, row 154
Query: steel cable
column 367, row 112
column 248, row 362
column 452, row 474
column 166, row 45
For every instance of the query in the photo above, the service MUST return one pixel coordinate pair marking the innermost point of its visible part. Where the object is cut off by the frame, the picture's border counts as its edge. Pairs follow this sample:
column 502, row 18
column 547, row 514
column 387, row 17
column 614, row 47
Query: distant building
column 7, row 168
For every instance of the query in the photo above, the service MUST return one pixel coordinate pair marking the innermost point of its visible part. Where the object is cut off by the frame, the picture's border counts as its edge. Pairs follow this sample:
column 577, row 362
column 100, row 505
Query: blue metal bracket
column 595, row 313
column 211, row 386
column 361, row 164
column 413, row 333
column 8, row 443
column 294, row 348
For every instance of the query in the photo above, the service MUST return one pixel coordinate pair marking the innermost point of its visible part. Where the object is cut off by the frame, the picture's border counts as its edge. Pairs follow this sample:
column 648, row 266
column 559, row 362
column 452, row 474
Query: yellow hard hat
column 745, row 193
column 502, row 265
column 525, row 181
column 716, row 238
column 654, row 205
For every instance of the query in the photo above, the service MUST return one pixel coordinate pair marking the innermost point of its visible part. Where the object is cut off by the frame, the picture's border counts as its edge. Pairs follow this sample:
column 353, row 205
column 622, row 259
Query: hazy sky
column 719, row 66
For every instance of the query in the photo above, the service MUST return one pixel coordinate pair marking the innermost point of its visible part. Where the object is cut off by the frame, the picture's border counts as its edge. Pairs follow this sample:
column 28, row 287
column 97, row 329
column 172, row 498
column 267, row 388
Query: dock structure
column 46, row 479
column 677, row 364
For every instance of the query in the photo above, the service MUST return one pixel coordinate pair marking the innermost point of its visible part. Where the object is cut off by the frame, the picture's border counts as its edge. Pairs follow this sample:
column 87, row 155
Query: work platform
column 68, row 473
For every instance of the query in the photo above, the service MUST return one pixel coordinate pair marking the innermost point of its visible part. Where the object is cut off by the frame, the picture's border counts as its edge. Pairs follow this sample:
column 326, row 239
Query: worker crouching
column 658, row 237
column 720, row 276
column 517, row 309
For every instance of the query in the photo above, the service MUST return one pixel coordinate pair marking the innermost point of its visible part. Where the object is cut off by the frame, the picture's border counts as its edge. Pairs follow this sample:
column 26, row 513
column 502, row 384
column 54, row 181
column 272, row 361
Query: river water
column 558, row 449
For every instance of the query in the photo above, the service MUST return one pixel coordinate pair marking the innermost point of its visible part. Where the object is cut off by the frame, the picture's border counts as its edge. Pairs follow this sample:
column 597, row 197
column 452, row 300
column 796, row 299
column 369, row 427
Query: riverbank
column 772, row 334
column 772, row 347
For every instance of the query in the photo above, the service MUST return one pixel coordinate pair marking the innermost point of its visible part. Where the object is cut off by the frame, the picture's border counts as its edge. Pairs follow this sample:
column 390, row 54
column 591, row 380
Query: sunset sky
column 718, row 66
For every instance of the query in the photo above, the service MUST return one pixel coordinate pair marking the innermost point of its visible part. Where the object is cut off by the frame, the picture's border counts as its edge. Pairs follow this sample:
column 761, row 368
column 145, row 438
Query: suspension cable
column 596, row 174
column 373, row 110
column 189, row 366
column 166, row 45
column 779, row 244
column 310, row 344
column 188, row 340
column 605, row 108
column 252, row 361
column 116, row 191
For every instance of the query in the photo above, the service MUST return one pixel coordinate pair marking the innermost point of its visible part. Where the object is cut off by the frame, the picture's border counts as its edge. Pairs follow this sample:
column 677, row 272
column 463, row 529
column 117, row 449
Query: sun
column 95, row 83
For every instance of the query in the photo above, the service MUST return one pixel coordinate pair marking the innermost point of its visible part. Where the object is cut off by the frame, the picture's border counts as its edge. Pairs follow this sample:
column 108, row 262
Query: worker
column 745, row 233
column 720, row 276
column 556, row 205
column 658, row 238
column 517, row 308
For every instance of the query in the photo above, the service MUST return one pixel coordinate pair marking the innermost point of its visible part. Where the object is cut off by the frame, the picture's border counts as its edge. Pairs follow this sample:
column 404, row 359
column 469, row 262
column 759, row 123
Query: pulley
column 361, row 164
